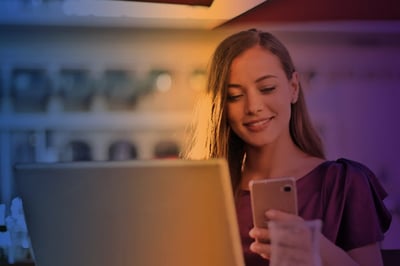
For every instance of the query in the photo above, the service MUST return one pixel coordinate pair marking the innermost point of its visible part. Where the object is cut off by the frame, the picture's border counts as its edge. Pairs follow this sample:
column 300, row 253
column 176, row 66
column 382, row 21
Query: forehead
column 254, row 62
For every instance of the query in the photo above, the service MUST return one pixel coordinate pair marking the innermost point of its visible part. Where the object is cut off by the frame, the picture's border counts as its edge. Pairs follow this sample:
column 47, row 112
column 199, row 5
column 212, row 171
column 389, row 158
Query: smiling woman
column 254, row 115
column 259, row 97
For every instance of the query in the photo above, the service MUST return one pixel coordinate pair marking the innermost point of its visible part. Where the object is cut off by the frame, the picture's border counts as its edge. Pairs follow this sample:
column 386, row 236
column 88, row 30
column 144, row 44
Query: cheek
column 285, row 114
column 284, row 108
column 283, row 102
column 232, row 114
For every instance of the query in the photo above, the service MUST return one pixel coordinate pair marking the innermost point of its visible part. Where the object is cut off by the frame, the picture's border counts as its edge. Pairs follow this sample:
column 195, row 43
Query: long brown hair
column 211, row 135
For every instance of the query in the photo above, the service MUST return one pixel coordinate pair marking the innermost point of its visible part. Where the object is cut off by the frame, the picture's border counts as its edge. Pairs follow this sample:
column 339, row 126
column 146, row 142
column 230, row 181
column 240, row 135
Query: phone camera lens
column 287, row 188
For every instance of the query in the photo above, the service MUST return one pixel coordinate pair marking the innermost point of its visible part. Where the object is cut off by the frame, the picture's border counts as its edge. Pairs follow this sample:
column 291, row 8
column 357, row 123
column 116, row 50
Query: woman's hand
column 262, row 245
column 330, row 253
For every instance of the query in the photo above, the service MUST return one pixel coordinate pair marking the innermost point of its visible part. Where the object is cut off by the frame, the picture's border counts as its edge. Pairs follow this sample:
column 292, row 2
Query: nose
column 254, row 103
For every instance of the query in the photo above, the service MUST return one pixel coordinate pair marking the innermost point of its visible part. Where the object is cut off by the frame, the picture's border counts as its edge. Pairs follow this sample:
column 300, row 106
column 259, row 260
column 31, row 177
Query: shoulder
column 348, row 197
column 349, row 176
column 347, row 165
column 354, row 185
column 353, row 203
column 348, row 172
column 341, row 176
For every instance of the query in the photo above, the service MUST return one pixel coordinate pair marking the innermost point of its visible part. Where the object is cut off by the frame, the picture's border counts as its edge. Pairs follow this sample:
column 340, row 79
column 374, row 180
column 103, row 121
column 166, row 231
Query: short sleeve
column 365, row 218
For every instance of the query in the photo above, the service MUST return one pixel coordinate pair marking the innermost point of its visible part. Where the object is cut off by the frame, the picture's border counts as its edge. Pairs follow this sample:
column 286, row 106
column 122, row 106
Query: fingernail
column 251, row 233
column 270, row 213
column 253, row 248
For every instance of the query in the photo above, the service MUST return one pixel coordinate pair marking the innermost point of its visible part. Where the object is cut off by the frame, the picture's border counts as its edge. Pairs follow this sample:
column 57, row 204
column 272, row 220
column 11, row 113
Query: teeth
column 258, row 123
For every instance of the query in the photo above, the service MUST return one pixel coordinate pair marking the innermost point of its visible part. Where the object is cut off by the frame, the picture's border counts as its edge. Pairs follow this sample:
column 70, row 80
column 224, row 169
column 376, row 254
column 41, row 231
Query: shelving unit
column 105, row 124
column 159, row 114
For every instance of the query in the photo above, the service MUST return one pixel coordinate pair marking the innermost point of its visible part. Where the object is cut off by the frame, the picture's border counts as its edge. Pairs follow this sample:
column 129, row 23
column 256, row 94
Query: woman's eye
column 267, row 89
column 235, row 97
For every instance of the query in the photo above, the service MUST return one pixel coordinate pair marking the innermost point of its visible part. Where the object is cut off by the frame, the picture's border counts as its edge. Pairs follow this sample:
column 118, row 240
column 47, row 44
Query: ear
column 295, row 87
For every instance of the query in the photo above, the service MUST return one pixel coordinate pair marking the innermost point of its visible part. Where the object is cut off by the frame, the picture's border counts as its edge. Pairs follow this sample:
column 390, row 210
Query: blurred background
column 117, row 80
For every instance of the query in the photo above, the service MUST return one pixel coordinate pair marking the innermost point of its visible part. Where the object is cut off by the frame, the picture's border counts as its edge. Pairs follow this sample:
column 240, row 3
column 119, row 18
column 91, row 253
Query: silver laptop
column 136, row 213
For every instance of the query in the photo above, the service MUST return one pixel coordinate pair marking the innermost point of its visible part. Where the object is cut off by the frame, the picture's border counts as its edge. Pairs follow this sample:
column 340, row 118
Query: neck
column 272, row 160
column 280, row 159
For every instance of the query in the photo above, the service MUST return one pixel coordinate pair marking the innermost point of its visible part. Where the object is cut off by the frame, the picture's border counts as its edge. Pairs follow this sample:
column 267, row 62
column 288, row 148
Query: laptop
column 136, row 213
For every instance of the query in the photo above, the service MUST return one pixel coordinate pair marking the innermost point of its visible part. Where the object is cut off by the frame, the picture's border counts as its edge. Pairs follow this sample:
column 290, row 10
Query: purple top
column 344, row 194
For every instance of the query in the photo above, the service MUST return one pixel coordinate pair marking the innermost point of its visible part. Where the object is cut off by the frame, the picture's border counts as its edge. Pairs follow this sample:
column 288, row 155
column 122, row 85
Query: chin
column 258, row 143
column 257, row 140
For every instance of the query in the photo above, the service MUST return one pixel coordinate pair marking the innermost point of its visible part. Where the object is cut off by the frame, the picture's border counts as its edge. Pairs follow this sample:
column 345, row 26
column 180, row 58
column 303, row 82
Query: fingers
column 260, row 234
column 264, row 250
column 262, row 243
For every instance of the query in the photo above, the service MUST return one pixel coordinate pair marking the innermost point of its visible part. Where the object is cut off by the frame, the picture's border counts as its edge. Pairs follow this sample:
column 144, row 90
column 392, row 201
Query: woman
column 254, row 115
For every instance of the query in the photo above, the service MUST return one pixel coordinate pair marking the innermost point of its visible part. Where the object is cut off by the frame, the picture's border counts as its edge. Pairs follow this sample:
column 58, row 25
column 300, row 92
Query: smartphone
column 278, row 193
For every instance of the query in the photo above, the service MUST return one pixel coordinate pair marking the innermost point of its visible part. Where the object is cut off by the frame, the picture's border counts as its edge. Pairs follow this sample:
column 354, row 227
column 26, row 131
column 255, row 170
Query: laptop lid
column 144, row 213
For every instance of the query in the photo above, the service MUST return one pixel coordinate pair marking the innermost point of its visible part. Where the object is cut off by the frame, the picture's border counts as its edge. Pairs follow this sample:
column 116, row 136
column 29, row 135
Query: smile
column 257, row 125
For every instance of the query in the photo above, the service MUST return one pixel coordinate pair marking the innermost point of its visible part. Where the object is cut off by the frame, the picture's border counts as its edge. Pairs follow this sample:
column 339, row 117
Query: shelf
column 94, row 121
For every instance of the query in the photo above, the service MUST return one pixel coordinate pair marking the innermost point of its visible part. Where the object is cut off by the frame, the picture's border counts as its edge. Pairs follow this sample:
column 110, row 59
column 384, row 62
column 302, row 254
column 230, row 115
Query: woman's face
column 259, row 97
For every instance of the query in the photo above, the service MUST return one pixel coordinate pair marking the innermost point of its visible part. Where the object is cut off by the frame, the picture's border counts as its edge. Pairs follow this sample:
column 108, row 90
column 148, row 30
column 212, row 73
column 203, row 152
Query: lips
column 257, row 125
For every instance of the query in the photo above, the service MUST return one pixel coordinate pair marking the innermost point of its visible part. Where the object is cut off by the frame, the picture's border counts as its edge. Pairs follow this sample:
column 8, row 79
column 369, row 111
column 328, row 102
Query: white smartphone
column 278, row 193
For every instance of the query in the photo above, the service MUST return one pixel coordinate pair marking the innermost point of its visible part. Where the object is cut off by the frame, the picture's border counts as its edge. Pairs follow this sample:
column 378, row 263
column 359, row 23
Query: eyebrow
column 256, row 81
column 265, row 77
